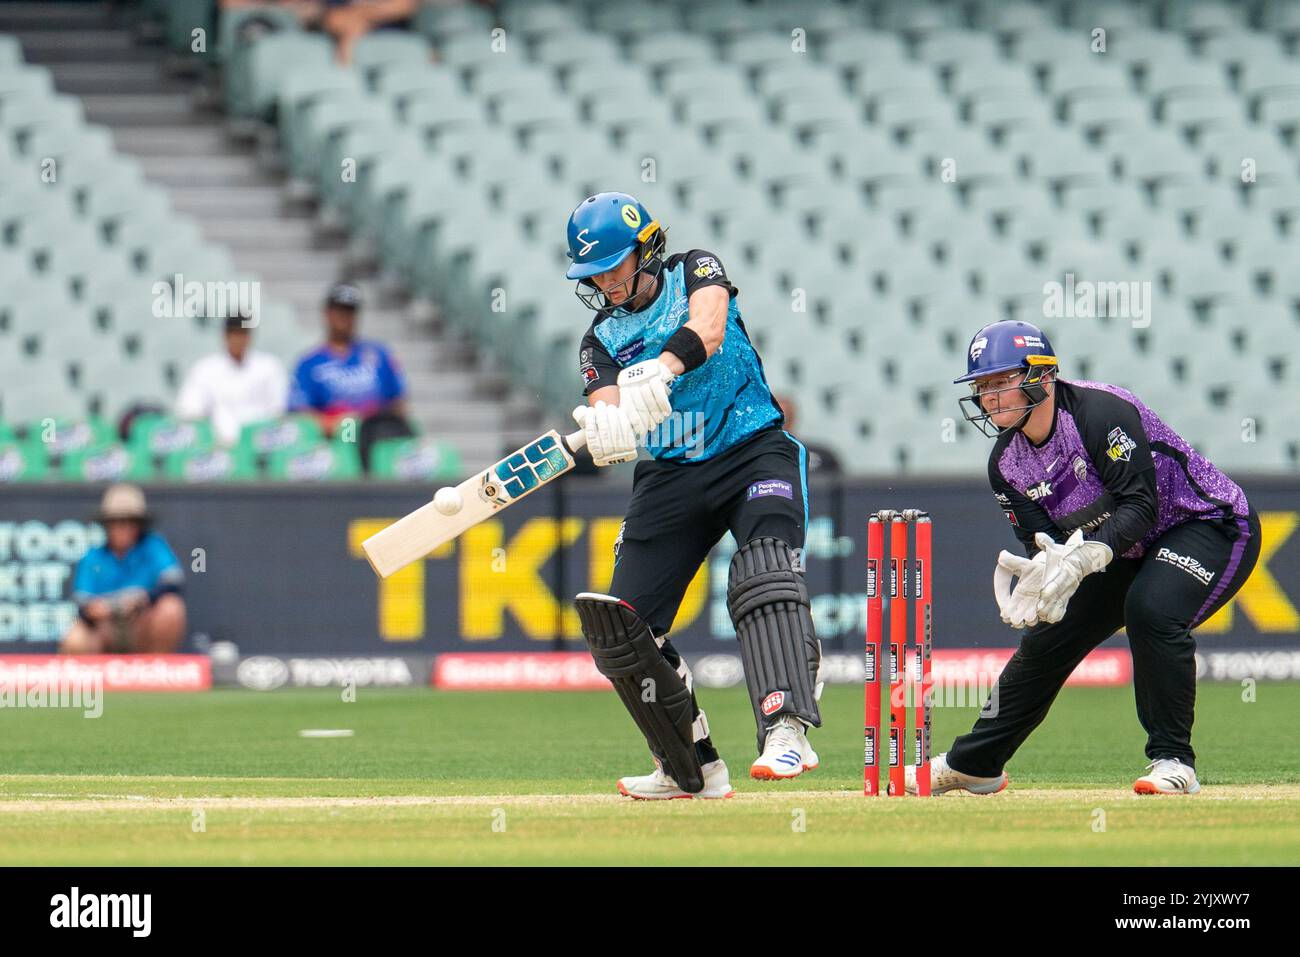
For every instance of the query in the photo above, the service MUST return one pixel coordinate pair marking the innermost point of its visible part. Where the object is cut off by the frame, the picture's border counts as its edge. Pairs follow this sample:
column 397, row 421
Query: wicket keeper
column 667, row 362
column 1125, row 524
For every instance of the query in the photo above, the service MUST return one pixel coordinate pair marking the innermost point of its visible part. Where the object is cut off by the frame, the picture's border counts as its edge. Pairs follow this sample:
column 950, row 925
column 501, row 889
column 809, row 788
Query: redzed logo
column 773, row 702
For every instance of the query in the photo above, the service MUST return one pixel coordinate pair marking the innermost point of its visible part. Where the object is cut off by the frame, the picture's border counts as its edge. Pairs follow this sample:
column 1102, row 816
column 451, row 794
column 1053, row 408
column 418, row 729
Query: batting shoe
column 1168, row 776
column 944, row 779
column 658, row 786
column 786, row 752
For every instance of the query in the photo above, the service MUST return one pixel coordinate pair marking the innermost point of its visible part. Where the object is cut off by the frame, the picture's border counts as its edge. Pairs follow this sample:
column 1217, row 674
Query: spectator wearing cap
column 349, row 377
column 128, row 590
column 234, row 387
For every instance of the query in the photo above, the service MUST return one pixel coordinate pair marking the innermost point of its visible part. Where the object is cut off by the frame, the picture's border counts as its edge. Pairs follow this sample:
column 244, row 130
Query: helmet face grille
column 649, row 249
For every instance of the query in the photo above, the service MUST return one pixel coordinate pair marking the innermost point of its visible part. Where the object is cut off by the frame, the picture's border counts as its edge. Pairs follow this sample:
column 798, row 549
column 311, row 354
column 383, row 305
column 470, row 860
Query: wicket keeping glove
column 1020, row 607
column 1066, row 567
column 643, row 394
column 610, row 438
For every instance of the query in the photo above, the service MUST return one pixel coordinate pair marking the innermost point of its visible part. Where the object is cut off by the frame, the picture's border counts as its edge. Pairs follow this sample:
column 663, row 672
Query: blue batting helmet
column 603, row 231
column 1007, row 346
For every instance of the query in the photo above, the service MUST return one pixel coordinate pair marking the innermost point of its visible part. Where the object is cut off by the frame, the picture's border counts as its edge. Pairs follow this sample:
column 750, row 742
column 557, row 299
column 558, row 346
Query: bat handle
column 575, row 441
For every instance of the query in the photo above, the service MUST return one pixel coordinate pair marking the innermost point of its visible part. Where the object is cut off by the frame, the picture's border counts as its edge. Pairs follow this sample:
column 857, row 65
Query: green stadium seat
column 376, row 53
column 957, row 47
column 11, row 53
column 670, row 50
column 107, row 462
column 414, row 460
column 322, row 462
column 22, row 461
column 160, row 436
column 635, row 19
column 211, row 465
column 182, row 18
column 567, row 50
column 276, row 57
column 26, row 83
column 237, row 27
column 406, row 82
column 290, row 432
column 440, row 22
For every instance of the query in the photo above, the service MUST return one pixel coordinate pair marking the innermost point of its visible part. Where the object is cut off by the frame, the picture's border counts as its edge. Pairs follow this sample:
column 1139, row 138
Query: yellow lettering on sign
column 486, row 593
column 401, row 595
column 1261, row 598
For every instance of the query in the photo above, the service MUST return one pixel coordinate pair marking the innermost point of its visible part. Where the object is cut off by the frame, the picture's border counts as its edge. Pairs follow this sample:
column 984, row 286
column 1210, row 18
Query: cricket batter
column 667, row 363
column 1126, row 525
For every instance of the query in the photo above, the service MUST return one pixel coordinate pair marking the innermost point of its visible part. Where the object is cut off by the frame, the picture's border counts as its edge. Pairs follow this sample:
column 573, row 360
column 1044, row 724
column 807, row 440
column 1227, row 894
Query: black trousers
column 1158, row 599
column 679, row 511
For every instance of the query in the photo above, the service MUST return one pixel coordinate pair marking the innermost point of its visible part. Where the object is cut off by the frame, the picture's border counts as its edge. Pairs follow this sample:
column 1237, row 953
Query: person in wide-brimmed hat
column 128, row 589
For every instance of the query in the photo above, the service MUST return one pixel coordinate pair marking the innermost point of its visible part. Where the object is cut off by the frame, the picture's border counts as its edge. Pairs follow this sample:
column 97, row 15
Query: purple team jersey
column 1112, row 467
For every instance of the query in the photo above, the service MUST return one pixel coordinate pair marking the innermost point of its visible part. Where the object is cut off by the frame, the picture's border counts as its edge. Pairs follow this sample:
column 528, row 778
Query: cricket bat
column 499, row 486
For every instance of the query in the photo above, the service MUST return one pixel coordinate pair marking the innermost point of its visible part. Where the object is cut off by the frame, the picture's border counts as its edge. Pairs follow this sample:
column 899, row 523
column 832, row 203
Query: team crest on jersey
column 1119, row 447
column 706, row 267
column 587, row 367
column 1080, row 468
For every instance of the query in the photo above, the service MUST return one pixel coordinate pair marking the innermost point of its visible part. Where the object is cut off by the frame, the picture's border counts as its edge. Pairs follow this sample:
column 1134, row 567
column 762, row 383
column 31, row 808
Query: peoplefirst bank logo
column 1187, row 564
column 130, row 911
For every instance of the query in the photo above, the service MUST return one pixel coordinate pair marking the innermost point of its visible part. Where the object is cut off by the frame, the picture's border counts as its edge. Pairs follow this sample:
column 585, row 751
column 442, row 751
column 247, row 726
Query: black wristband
column 686, row 345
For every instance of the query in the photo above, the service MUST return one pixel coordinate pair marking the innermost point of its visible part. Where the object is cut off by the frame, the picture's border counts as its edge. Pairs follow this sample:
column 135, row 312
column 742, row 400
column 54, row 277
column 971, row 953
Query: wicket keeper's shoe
column 944, row 778
column 658, row 786
column 786, row 752
column 1168, row 776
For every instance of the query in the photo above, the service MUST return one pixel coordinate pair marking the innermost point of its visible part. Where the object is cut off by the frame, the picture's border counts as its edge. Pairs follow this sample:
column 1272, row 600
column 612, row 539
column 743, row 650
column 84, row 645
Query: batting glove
column 643, row 394
column 610, row 438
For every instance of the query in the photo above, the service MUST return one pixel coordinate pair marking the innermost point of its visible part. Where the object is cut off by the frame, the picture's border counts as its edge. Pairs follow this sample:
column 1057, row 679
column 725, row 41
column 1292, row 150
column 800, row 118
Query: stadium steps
column 188, row 170
column 140, row 109
column 89, row 79
column 144, row 141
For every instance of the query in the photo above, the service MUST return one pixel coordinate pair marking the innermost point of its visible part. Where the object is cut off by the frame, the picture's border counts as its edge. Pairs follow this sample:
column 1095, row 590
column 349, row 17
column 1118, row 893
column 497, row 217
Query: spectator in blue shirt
column 128, row 589
column 350, row 378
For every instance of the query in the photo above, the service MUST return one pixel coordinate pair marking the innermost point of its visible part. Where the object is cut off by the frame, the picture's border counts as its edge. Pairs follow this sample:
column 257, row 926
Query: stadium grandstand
column 881, row 178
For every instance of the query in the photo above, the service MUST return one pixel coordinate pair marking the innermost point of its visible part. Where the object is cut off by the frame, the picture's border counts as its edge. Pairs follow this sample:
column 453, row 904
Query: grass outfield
column 438, row 777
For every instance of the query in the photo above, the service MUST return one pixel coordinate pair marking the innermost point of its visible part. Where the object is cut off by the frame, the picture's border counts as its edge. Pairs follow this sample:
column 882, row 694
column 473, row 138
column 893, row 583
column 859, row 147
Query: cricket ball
column 447, row 501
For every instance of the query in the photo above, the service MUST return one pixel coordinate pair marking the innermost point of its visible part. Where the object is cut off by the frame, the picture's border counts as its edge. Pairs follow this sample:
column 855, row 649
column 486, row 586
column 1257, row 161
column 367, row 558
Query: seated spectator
column 234, row 387
column 345, row 20
column 128, row 589
column 349, row 20
column 349, row 377
column 821, row 459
